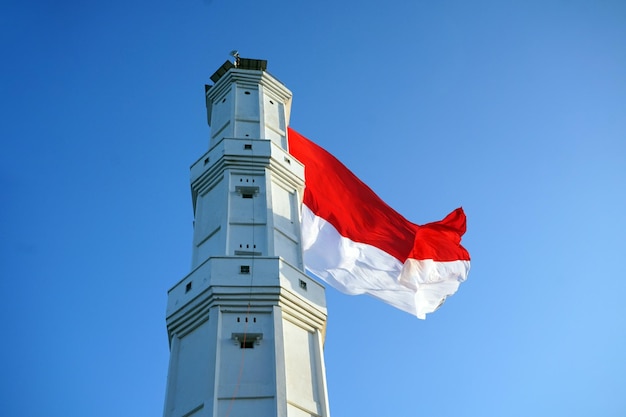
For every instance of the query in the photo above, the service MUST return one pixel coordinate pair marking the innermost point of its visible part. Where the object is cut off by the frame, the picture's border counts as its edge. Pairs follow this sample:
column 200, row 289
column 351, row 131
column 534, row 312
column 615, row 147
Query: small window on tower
column 246, row 344
column 247, row 340
column 247, row 191
column 188, row 287
column 244, row 269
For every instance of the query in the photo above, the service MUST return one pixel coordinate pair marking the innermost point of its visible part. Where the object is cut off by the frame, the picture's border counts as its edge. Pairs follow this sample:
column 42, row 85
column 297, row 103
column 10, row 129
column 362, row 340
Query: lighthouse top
column 247, row 102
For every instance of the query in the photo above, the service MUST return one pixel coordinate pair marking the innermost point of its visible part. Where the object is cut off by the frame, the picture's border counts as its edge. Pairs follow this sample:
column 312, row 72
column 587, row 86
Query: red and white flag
column 358, row 244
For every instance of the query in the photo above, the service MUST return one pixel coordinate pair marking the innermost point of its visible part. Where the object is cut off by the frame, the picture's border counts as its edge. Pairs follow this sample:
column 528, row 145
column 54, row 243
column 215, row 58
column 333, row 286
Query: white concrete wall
column 192, row 363
column 286, row 223
column 249, row 104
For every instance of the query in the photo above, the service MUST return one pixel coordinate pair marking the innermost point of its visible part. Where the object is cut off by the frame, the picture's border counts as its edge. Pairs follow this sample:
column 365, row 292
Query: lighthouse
column 246, row 326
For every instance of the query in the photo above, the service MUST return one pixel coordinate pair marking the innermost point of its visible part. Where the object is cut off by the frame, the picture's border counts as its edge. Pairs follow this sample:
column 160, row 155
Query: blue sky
column 515, row 110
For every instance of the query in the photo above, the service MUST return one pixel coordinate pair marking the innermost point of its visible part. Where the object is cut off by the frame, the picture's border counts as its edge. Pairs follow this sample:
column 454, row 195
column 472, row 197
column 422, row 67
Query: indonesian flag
column 358, row 244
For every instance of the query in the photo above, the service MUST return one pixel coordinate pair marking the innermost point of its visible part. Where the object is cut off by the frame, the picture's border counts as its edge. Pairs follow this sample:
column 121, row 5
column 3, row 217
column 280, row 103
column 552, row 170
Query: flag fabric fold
column 358, row 244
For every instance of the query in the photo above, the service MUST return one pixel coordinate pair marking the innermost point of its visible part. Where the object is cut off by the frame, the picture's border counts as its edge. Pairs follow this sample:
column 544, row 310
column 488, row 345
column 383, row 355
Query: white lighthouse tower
column 246, row 326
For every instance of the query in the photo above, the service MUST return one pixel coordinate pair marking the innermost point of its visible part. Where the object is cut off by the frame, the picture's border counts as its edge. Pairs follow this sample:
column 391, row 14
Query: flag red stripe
column 335, row 194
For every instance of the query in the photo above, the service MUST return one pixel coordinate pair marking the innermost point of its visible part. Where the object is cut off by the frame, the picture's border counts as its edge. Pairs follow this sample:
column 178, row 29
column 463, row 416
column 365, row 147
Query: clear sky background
column 515, row 110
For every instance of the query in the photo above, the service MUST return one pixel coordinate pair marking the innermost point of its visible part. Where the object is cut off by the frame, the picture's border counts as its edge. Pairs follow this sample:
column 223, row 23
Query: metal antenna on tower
column 235, row 54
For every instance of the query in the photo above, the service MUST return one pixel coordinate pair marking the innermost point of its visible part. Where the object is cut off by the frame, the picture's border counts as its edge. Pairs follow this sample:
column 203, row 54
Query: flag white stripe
column 417, row 286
